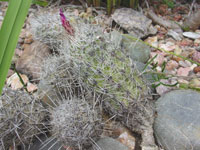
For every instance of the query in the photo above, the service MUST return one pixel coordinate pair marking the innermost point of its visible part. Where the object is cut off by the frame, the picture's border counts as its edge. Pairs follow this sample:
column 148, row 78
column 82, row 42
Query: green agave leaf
column 38, row 2
column 8, row 25
column 13, row 35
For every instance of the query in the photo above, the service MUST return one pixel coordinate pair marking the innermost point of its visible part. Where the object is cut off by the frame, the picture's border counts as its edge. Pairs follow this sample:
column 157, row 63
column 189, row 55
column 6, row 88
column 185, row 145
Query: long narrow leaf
column 13, row 38
column 7, row 25
column 38, row 2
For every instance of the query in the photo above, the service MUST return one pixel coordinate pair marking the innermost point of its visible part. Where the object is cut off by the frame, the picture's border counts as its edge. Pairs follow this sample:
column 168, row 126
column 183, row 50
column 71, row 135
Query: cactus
column 47, row 28
column 111, row 72
column 76, row 123
column 98, row 63
column 21, row 118
column 75, row 116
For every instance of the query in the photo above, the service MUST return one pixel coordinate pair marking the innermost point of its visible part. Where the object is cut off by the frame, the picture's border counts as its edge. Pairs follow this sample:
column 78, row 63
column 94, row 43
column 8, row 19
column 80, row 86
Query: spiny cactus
column 47, row 28
column 111, row 72
column 99, row 64
column 76, row 123
column 21, row 118
column 75, row 116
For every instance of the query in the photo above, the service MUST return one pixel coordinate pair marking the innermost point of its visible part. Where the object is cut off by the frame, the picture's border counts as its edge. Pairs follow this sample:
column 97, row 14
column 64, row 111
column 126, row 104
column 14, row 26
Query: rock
column 31, row 60
column 28, row 40
column 159, row 58
column 108, row 143
column 195, row 83
column 138, row 51
column 14, row 81
column 196, row 69
column 175, row 35
column 197, row 41
column 31, row 87
column 134, row 22
column 127, row 139
column 1, row 18
column 22, row 34
column 182, row 81
column 193, row 66
column 169, row 46
column 171, row 65
column 185, row 63
column 162, row 89
column 183, row 71
column 186, row 42
column 196, row 56
column 153, row 41
column 191, row 35
column 178, row 50
column 150, row 77
column 177, row 123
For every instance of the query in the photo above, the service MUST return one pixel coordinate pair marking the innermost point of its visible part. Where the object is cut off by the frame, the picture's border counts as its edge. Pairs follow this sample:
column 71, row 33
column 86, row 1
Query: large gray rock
column 177, row 126
column 138, row 51
column 107, row 143
column 134, row 22
column 32, row 59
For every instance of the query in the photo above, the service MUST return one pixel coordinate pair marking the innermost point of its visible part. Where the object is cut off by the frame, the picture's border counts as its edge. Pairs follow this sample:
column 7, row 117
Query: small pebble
column 172, row 64
column 28, row 41
column 196, row 56
column 196, row 69
column 185, row 64
column 195, row 82
column 1, row 18
column 183, row 71
column 183, row 81
column 197, row 41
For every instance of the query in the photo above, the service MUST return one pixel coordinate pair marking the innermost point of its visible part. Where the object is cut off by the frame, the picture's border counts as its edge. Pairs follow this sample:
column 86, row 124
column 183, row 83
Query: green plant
column 96, row 61
column 169, row 3
column 76, row 123
column 38, row 2
column 9, row 33
column 21, row 119
column 10, row 30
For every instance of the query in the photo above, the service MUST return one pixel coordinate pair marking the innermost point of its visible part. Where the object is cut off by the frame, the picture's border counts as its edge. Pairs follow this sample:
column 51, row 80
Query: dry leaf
column 15, row 82
column 31, row 87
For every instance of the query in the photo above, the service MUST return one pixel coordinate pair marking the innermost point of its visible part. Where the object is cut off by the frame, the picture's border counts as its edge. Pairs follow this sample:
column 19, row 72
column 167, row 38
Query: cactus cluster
column 21, row 118
column 75, row 123
column 93, row 61
column 111, row 72
column 75, row 115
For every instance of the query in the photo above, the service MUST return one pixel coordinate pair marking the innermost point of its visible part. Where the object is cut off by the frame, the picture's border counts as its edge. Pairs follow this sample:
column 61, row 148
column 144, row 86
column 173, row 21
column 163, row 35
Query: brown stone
column 196, row 69
column 28, row 40
column 31, row 60
column 177, row 59
column 26, row 46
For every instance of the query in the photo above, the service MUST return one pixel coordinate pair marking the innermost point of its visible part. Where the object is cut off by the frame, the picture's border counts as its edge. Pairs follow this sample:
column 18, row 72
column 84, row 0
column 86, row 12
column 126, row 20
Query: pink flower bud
column 66, row 24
